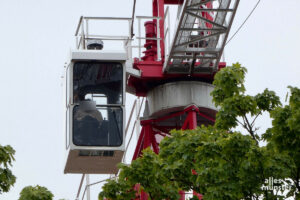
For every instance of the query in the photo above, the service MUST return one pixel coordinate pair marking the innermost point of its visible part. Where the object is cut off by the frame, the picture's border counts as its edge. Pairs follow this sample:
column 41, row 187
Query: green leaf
column 7, row 179
column 35, row 193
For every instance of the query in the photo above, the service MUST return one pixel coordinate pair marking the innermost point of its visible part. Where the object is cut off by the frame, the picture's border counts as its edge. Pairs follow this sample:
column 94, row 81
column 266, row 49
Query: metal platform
column 201, row 33
column 93, row 162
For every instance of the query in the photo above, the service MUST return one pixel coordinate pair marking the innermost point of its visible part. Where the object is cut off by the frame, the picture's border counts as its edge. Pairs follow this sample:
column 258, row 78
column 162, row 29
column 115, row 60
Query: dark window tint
column 98, row 126
column 103, row 80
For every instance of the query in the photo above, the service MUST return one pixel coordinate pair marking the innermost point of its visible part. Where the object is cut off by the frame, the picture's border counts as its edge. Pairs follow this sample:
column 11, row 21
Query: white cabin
column 95, row 111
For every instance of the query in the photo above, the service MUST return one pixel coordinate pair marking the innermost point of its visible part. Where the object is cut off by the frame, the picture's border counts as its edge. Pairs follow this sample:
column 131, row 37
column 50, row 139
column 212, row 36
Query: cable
column 243, row 22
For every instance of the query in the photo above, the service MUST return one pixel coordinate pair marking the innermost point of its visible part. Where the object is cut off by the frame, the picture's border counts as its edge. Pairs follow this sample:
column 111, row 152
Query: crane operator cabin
column 95, row 111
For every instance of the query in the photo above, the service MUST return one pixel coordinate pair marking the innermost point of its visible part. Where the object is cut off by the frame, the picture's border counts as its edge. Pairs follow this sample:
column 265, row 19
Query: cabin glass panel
column 100, row 127
column 98, row 98
column 98, row 79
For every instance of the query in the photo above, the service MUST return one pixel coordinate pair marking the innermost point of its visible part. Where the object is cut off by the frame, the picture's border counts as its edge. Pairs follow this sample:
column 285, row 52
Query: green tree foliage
column 147, row 172
column 7, row 179
column 284, row 138
column 235, row 106
column 222, row 161
column 218, row 161
column 35, row 193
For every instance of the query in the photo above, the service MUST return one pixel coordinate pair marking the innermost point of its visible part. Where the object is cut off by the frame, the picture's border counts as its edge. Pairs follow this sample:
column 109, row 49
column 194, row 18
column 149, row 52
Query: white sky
column 35, row 39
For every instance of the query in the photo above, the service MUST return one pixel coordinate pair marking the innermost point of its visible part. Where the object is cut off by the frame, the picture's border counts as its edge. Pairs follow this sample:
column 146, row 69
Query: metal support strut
column 150, row 131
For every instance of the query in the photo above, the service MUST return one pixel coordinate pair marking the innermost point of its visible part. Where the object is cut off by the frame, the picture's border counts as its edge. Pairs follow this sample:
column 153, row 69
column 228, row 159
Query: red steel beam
column 174, row 2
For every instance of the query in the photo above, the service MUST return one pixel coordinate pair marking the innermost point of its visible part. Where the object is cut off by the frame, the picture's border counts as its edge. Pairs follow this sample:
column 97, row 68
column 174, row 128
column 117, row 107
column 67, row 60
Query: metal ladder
column 202, row 29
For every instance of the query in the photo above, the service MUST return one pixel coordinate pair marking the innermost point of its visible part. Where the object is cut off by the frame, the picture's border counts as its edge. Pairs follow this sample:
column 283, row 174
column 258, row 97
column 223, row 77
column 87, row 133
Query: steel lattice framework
column 201, row 51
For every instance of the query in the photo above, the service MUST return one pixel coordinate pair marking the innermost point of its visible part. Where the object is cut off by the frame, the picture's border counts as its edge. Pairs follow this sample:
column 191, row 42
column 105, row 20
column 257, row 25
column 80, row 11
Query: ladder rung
column 201, row 3
column 194, row 57
column 201, row 29
column 210, row 10
column 206, row 20
column 196, row 50
column 198, row 38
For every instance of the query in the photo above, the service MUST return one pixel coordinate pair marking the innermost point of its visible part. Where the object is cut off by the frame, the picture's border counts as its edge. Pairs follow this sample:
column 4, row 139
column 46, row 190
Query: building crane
column 174, row 76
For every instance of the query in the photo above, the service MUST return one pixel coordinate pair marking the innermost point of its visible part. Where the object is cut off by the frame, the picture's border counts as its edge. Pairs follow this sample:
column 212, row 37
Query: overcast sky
column 35, row 38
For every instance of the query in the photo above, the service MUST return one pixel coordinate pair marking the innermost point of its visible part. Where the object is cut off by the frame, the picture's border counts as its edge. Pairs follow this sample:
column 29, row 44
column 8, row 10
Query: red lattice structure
column 152, row 133
column 191, row 58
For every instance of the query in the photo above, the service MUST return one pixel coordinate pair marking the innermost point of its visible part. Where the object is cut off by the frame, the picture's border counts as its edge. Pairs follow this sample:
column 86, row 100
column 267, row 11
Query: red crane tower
column 178, row 85
column 175, row 77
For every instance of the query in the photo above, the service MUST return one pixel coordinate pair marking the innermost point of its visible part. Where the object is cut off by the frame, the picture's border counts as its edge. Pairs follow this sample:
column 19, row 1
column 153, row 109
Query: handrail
column 130, row 116
column 140, row 108
column 132, row 22
column 139, row 37
column 78, row 26
column 147, row 17
column 167, row 31
column 148, row 38
column 95, row 183
column 166, row 12
column 109, row 18
column 82, row 31
column 86, row 187
column 99, row 18
column 80, row 186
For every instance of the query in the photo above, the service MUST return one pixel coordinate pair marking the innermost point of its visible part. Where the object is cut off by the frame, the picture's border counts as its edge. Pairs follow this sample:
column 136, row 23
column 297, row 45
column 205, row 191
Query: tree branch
column 297, row 181
column 249, row 128
column 255, row 118
column 243, row 125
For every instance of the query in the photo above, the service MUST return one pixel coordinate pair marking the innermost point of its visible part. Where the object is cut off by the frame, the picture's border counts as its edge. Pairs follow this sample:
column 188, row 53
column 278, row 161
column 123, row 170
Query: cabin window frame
column 121, row 106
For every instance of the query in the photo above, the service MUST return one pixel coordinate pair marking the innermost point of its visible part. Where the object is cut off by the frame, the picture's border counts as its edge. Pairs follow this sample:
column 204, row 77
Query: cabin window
column 98, row 78
column 91, row 128
column 98, row 97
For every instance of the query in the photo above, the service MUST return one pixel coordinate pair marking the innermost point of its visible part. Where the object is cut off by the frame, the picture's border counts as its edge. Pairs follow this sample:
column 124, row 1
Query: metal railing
column 138, row 107
column 167, row 33
column 158, row 38
column 87, row 186
column 82, row 31
column 140, row 38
